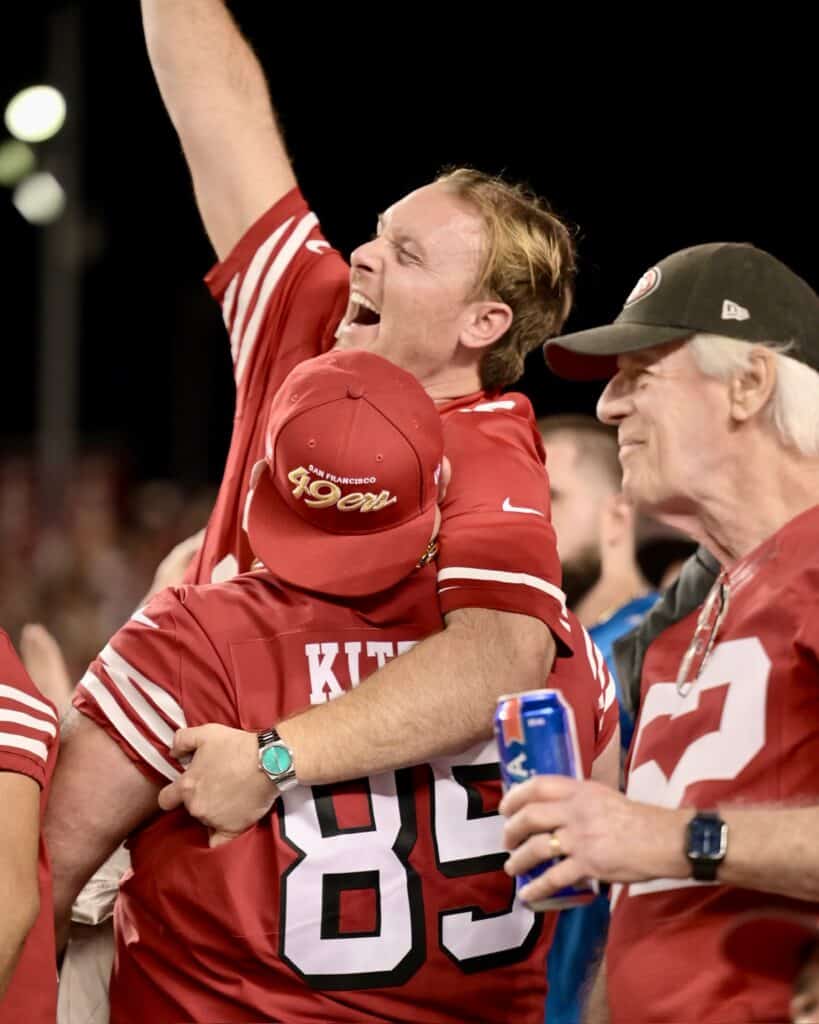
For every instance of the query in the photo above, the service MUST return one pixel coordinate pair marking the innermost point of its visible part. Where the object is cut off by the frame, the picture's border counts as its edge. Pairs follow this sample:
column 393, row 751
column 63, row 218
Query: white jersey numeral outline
column 744, row 668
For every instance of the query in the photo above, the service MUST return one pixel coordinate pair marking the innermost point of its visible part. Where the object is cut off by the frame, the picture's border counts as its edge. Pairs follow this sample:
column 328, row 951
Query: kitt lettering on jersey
column 335, row 667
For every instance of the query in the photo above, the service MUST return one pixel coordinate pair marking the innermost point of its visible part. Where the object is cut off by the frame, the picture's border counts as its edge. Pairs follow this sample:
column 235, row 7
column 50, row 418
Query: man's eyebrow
column 402, row 236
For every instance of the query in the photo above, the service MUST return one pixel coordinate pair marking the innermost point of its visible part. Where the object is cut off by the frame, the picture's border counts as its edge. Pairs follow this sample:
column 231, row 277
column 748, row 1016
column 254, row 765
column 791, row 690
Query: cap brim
column 770, row 942
column 592, row 355
column 341, row 565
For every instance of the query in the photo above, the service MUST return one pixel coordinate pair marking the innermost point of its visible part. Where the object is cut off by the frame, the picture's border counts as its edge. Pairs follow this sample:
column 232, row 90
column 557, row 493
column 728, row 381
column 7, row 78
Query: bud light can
column 537, row 736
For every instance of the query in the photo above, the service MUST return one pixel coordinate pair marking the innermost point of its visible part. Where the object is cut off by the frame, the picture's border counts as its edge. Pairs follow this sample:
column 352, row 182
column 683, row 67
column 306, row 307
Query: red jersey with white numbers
column 283, row 291
column 28, row 745
column 746, row 733
column 376, row 900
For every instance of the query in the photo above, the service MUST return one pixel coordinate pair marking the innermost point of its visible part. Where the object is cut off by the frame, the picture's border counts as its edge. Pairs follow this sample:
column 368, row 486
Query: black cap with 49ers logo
column 725, row 288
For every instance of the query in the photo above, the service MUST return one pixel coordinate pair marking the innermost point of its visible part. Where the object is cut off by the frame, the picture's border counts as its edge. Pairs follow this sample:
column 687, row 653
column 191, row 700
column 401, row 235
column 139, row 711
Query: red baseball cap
column 344, row 501
column 770, row 941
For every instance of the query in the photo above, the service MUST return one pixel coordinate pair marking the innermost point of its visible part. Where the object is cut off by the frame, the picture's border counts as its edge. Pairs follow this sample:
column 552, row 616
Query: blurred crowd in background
column 82, row 573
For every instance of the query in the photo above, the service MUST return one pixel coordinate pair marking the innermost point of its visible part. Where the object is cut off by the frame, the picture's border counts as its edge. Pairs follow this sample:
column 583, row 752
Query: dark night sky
column 645, row 151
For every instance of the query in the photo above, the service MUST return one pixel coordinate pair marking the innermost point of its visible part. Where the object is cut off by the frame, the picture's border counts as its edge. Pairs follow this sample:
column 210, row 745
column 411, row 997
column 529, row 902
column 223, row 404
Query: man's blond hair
column 528, row 263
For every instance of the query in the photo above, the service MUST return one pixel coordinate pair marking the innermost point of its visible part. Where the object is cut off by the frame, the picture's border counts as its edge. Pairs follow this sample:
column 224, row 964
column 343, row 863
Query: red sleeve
column 585, row 681
column 282, row 289
column 28, row 722
column 132, row 688
column 608, row 708
column 497, row 545
column 159, row 673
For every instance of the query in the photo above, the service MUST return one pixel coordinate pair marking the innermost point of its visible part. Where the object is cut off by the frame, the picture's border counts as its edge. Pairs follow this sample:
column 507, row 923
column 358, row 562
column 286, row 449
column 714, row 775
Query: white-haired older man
column 715, row 392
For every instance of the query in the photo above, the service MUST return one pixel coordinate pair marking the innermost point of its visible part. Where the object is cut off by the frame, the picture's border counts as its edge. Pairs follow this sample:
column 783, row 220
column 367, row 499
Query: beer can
column 536, row 735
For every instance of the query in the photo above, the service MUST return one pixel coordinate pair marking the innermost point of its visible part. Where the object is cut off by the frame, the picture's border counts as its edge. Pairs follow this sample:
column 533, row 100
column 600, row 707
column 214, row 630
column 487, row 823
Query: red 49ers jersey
column 381, row 899
column 746, row 733
column 283, row 291
column 29, row 740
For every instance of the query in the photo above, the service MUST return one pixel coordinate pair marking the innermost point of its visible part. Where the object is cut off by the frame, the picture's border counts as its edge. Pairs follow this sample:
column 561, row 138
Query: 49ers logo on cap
column 320, row 493
column 647, row 284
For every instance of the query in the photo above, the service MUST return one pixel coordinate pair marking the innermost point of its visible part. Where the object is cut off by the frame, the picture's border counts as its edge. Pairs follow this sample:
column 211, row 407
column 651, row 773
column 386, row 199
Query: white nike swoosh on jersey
column 316, row 245
column 507, row 506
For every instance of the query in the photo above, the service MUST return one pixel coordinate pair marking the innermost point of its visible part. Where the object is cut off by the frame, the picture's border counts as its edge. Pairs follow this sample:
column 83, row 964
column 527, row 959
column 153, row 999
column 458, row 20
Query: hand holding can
column 536, row 735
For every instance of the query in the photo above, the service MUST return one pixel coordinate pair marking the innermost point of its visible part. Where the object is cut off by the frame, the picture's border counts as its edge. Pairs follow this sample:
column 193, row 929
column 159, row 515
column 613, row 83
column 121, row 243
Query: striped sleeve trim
column 247, row 297
column 118, row 719
column 141, row 711
column 124, row 674
column 26, row 723
column 600, row 674
column 242, row 293
column 17, row 742
column 520, row 579
column 609, row 694
column 21, row 697
column 30, row 721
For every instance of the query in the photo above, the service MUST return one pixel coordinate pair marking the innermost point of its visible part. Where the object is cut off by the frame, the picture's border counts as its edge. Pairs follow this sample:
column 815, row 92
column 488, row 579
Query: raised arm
column 217, row 98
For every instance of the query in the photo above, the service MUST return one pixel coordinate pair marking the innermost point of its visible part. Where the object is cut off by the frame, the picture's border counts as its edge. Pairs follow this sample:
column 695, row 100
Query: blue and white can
column 536, row 735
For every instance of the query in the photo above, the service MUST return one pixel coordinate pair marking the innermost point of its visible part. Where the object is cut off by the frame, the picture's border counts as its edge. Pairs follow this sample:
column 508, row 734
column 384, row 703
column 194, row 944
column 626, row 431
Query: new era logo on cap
column 733, row 311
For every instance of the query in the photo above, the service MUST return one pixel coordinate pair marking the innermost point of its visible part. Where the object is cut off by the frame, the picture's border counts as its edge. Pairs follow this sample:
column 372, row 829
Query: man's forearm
column 773, row 850
column 436, row 699
column 19, row 915
column 217, row 97
column 196, row 51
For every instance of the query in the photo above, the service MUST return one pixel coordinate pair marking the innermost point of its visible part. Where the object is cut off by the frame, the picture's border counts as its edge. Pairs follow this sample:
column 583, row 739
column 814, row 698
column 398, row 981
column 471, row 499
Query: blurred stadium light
column 36, row 113
column 39, row 198
column 16, row 161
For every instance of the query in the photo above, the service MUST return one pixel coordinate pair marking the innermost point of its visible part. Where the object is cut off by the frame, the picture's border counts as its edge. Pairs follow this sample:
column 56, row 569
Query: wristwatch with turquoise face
column 276, row 760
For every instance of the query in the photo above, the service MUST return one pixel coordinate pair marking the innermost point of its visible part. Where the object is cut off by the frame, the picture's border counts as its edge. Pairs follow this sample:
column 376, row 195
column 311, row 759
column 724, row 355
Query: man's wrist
column 671, row 861
column 276, row 760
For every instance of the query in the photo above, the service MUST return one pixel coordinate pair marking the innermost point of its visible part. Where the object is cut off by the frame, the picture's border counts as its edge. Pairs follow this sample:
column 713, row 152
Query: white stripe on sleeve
column 499, row 576
column 116, row 716
column 124, row 673
column 590, row 652
column 251, row 279
column 600, row 662
column 609, row 693
column 21, row 697
column 140, row 616
column 37, row 747
column 29, row 721
column 227, row 307
column 277, row 268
